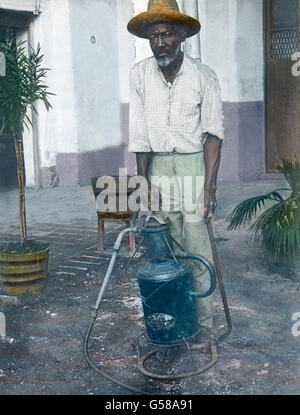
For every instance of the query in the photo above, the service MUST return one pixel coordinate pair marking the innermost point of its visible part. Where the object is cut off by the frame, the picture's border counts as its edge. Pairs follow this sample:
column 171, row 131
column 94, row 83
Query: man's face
column 165, row 41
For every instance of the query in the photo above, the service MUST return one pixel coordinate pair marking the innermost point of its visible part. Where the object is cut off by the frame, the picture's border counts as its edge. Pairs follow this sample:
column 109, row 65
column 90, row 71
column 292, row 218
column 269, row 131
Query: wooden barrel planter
column 23, row 273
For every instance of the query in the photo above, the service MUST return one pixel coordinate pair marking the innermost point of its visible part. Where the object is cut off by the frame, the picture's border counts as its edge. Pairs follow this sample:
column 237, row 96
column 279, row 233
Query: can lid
column 162, row 271
column 154, row 225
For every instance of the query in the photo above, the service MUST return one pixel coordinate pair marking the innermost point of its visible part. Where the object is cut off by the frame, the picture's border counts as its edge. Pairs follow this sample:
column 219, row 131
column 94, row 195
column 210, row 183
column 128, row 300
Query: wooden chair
column 126, row 217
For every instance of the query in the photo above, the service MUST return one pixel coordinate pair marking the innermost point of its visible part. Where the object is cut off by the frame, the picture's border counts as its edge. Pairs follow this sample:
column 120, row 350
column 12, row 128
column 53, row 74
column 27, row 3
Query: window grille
column 284, row 43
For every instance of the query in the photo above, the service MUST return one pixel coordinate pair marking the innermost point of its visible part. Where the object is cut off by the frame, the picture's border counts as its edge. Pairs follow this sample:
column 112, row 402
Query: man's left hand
column 210, row 205
column 212, row 158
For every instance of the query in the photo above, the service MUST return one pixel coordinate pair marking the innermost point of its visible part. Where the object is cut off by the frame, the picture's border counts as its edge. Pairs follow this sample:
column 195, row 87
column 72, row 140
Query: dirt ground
column 42, row 352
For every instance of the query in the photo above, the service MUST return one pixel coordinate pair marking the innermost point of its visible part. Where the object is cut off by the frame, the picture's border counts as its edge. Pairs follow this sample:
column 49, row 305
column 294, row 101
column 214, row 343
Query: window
column 284, row 28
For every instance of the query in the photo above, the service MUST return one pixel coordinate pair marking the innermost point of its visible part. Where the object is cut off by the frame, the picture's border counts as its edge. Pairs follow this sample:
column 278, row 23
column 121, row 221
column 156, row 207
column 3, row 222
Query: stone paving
column 73, row 249
column 42, row 353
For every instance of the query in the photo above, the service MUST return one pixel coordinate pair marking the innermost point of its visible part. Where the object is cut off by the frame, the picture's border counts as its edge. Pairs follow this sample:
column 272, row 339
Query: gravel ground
column 42, row 351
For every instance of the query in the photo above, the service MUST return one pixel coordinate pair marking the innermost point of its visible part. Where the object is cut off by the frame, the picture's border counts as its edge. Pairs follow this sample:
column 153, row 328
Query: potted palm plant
column 21, row 87
column 278, row 225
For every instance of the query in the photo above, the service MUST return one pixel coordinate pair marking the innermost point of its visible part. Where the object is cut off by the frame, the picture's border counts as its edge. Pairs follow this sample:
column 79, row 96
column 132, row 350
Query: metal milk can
column 166, row 287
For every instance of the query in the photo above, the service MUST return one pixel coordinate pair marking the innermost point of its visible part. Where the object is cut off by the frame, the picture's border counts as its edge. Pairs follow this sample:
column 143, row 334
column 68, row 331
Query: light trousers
column 180, row 179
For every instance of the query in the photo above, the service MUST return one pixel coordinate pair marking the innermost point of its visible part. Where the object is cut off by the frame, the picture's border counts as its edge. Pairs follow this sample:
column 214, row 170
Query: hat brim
column 138, row 24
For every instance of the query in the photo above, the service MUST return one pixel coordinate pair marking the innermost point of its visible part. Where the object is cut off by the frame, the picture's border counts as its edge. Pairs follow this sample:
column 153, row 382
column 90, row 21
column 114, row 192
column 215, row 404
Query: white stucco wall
column 21, row 5
column 142, row 48
column 57, row 129
column 94, row 30
column 126, row 49
column 232, row 44
column 249, row 50
column 192, row 45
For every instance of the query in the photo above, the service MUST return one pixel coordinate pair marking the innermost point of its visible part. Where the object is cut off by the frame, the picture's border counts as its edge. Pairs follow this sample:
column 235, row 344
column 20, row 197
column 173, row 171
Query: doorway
column 282, row 86
column 13, row 26
column 8, row 159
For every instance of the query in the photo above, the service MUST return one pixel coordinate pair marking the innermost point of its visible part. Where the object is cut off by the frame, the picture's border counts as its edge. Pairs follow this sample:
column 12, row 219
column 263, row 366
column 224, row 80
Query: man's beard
column 167, row 60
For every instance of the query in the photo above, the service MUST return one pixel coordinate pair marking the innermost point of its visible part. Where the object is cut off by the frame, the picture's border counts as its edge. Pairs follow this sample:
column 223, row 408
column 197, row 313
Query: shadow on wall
column 250, row 113
column 243, row 148
column 73, row 169
column 244, row 120
column 251, row 136
column 8, row 164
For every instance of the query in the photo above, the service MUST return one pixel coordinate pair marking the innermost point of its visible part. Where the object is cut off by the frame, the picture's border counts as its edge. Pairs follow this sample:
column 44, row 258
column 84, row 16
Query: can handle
column 210, row 268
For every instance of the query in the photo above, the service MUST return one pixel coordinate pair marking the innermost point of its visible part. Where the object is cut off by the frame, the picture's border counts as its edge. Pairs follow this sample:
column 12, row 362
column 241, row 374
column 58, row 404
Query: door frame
column 267, row 44
column 23, row 21
column 265, row 35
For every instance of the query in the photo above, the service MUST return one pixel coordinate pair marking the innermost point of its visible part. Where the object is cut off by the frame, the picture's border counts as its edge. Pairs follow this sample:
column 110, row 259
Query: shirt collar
column 181, row 70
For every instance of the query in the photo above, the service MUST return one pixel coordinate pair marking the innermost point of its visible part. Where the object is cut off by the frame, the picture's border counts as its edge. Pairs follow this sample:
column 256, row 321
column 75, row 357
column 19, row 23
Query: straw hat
column 162, row 11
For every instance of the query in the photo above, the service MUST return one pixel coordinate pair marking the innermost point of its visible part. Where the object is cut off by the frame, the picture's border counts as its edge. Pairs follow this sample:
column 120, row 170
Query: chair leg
column 101, row 233
column 132, row 241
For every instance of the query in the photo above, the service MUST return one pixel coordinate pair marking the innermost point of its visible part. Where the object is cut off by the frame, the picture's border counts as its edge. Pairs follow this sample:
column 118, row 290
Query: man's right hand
column 153, row 202
column 152, row 193
column 152, row 197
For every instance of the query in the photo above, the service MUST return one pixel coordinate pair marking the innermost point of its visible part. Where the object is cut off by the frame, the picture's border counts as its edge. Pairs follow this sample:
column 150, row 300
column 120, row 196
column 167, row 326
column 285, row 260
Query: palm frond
column 244, row 213
column 23, row 84
column 278, row 229
column 290, row 168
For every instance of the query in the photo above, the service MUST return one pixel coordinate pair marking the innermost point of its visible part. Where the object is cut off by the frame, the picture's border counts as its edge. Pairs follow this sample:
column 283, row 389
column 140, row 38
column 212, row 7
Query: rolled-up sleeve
column 138, row 136
column 212, row 108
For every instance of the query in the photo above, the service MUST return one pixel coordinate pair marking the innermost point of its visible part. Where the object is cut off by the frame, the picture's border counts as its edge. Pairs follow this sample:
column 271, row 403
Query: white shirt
column 167, row 117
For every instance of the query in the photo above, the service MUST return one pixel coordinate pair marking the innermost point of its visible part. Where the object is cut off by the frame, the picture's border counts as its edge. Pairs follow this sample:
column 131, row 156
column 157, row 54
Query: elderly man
column 176, row 130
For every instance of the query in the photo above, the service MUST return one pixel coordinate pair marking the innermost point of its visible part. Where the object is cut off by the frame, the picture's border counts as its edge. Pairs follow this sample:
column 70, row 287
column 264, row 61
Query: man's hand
column 150, row 202
column 150, row 199
column 212, row 158
column 210, row 205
